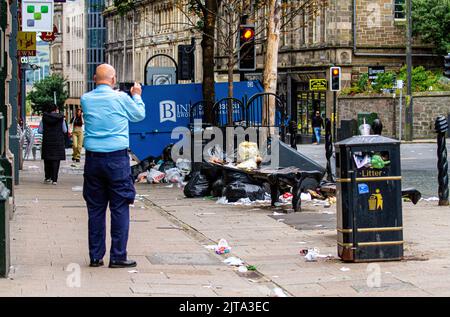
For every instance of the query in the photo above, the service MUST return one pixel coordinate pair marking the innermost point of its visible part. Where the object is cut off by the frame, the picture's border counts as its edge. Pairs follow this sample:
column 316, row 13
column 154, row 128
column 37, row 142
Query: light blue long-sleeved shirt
column 106, row 114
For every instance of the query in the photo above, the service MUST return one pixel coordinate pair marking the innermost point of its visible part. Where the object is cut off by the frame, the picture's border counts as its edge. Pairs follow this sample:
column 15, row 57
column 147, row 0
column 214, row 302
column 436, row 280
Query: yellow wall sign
column 26, row 43
column 318, row 84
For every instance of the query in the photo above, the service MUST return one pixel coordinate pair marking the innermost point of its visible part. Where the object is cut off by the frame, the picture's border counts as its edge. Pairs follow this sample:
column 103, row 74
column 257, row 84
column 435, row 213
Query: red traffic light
column 248, row 33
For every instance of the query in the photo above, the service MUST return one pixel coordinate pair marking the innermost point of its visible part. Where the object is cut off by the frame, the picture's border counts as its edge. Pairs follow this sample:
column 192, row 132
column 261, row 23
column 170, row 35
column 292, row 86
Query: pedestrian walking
column 317, row 125
column 77, row 135
column 107, row 172
column 52, row 127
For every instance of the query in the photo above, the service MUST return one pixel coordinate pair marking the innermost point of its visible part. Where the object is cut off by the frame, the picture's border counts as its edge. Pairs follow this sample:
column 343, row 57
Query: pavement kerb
column 202, row 239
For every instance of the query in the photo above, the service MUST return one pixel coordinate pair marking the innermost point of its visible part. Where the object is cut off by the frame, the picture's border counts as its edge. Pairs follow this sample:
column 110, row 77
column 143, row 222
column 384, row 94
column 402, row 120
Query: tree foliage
column 42, row 95
column 123, row 6
column 431, row 23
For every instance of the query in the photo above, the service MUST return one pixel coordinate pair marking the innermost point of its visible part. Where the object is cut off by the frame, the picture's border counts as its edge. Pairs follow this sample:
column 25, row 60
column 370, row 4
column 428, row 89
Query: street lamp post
column 409, row 117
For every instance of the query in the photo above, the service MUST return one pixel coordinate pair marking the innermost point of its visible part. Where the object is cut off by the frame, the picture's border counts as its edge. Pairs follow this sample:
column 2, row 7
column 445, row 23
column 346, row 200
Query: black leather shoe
column 122, row 264
column 96, row 263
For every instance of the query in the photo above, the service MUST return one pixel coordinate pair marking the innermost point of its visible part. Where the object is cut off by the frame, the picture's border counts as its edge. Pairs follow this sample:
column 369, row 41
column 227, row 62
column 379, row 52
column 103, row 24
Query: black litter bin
column 369, row 199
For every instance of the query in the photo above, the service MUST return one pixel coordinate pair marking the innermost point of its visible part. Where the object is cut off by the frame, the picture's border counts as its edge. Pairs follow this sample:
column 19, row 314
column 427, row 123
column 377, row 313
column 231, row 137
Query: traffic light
column 247, row 51
column 335, row 78
column 447, row 66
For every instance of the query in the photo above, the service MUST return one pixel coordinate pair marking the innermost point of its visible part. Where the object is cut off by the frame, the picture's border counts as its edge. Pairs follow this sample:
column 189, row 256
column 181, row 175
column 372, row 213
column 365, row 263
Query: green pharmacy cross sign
column 37, row 16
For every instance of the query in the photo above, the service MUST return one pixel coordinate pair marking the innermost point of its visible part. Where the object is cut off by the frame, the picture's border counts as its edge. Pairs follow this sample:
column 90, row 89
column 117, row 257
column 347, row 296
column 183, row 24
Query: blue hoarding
column 168, row 107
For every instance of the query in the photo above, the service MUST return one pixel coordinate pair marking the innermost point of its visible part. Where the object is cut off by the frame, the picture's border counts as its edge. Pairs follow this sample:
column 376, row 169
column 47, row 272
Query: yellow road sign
column 26, row 43
column 318, row 84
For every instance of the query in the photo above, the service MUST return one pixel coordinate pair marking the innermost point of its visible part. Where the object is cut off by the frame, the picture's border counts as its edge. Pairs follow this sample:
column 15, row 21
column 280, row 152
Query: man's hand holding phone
column 136, row 89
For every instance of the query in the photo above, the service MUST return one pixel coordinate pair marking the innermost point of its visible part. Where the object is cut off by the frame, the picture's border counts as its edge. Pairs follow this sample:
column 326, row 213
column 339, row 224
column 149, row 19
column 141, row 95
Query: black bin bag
column 235, row 191
column 198, row 186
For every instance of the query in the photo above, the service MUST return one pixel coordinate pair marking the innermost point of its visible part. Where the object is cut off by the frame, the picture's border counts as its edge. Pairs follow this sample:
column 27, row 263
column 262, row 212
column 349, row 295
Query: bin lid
column 367, row 139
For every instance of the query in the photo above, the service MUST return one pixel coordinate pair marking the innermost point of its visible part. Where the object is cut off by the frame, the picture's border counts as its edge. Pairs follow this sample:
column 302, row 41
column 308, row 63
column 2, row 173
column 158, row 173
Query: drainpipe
column 355, row 49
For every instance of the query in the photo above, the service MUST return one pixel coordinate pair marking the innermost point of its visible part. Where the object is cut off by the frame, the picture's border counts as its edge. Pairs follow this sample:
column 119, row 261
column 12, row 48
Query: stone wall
column 427, row 106
column 376, row 25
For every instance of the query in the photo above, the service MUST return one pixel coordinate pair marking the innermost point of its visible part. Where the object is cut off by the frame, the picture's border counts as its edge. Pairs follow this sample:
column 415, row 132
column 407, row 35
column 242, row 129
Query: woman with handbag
column 77, row 135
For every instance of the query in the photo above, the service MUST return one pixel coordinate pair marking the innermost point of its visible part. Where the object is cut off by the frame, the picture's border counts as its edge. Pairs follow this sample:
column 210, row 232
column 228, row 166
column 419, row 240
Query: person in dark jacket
column 317, row 125
column 53, row 128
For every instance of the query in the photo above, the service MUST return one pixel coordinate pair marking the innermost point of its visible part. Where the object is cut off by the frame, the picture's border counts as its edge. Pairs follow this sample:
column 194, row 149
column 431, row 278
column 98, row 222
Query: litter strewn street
column 170, row 238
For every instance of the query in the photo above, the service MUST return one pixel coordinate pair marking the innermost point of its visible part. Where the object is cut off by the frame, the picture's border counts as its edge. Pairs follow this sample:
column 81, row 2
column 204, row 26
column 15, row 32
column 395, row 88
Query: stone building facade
column 356, row 35
column 152, row 28
column 56, row 47
column 74, row 51
column 82, row 45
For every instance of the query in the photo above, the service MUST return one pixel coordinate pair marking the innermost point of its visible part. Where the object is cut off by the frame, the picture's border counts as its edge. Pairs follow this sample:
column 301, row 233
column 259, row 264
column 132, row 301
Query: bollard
column 441, row 128
column 328, row 148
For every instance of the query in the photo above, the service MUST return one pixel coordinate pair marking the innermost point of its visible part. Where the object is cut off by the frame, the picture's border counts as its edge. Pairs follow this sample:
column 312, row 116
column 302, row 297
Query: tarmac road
column 418, row 161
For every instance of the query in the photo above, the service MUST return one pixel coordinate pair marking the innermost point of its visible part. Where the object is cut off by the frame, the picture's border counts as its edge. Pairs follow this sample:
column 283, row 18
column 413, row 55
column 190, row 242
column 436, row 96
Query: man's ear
column 95, row 78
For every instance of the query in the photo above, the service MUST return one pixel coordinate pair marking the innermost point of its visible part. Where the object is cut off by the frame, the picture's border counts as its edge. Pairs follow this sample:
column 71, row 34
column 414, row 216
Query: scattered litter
column 222, row 201
column 207, row 286
column 206, row 214
column 242, row 269
column 281, row 220
column 318, row 226
column 251, row 267
column 233, row 261
column 432, row 199
column 253, row 281
column 33, row 167
column 77, row 188
column 305, row 197
column 155, row 176
column 133, row 271
column 301, row 242
column 223, row 247
column 36, row 200
column 169, row 186
column 345, row 269
column 311, row 255
column 277, row 214
column 173, row 175
column 287, row 196
column 210, row 247
column 132, row 206
column 278, row 292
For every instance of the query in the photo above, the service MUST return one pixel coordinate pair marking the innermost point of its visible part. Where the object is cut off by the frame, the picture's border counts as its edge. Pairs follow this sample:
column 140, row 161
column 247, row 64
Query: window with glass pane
column 399, row 9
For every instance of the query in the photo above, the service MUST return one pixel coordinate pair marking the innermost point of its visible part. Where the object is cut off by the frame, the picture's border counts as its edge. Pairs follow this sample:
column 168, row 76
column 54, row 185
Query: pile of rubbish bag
column 162, row 169
column 234, row 185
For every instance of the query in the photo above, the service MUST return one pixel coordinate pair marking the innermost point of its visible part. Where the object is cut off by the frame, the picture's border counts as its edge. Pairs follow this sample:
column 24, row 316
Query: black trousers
column 51, row 168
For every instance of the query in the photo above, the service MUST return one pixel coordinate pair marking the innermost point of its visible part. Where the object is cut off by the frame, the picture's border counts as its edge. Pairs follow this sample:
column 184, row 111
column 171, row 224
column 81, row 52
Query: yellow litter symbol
column 376, row 201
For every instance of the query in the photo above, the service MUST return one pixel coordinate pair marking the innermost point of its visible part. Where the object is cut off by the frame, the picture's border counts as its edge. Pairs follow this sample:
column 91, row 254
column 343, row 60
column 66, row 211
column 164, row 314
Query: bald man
column 107, row 172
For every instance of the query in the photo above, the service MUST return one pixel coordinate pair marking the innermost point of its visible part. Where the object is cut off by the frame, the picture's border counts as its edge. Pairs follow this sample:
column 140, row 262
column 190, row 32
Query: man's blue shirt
column 106, row 113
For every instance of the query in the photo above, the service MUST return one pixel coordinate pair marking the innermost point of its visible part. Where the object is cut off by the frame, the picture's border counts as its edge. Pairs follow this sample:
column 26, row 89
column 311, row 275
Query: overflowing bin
column 369, row 199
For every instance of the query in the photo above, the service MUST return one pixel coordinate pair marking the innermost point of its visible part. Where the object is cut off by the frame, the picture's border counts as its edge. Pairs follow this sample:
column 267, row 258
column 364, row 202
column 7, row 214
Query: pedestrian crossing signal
column 335, row 78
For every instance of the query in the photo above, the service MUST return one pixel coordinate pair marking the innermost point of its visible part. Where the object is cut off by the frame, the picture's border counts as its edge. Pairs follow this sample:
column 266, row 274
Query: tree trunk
column 230, row 71
column 208, row 57
column 270, row 75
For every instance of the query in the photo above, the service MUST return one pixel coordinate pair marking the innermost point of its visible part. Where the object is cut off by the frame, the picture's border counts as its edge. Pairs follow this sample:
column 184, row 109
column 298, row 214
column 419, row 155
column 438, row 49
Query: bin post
column 441, row 127
column 328, row 148
column 4, row 231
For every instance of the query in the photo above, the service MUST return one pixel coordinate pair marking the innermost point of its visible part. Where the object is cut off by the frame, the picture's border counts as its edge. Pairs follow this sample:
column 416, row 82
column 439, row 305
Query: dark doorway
column 305, row 104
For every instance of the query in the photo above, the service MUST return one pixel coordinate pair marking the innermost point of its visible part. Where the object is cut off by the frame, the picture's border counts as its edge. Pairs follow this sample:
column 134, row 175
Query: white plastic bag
column 173, row 175
column 155, row 176
column 248, row 151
